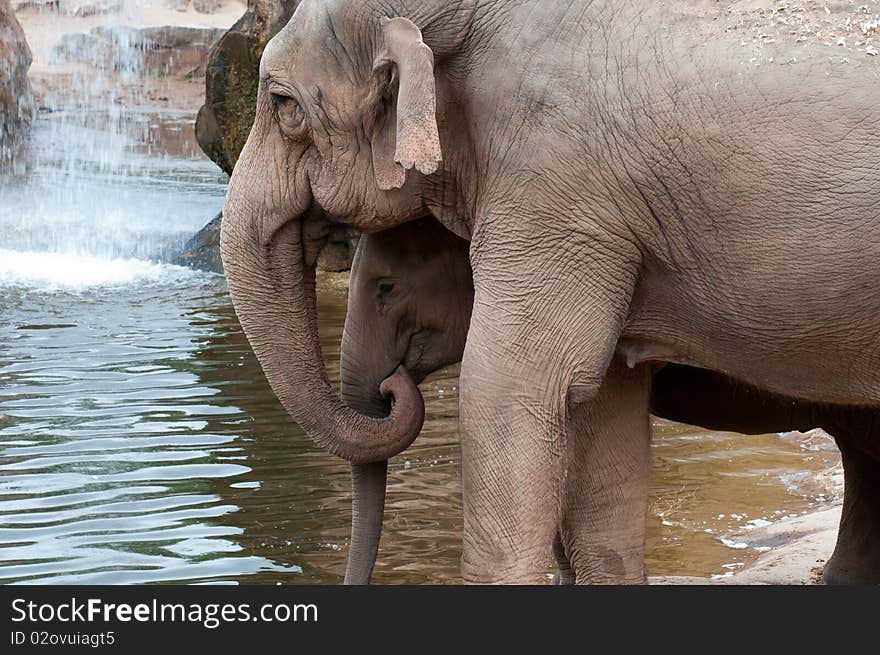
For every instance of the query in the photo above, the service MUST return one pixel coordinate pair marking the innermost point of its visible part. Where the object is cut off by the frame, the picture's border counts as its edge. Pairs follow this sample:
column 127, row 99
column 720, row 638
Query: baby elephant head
column 410, row 300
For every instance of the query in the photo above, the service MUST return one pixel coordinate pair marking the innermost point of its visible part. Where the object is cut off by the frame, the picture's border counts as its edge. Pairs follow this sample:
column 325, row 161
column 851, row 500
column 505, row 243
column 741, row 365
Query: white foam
column 731, row 543
column 71, row 271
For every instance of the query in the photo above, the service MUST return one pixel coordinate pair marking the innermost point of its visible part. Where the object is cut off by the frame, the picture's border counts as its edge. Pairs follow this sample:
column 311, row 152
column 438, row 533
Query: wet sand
column 798, row 551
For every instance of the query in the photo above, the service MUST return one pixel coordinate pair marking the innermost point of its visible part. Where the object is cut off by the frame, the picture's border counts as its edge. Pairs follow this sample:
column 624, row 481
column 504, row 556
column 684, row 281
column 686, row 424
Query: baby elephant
column 410, row 301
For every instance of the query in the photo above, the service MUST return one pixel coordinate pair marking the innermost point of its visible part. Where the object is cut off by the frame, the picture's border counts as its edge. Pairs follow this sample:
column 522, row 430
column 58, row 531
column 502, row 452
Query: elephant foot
column 845, row 570
column 856, row 558
column 564, row 573
column 558, row 580
column 855, row 561
column 600, row 565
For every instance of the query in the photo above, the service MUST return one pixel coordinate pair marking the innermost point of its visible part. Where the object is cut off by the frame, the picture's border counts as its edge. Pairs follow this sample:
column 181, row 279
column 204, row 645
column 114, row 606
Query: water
column 93, row 192
column 140, row 442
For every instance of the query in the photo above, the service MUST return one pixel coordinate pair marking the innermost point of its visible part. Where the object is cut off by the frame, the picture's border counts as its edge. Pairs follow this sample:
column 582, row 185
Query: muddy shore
column 798, row 550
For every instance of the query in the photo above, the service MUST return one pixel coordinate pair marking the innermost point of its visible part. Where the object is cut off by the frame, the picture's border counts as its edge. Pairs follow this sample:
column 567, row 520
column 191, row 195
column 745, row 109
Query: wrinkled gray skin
column 629, row 181
column 390, row 322
column 410, row 302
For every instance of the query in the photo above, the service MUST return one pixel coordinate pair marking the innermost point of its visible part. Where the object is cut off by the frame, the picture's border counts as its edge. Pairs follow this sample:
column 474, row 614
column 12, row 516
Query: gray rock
column 339, row 251
column 203, row 250
column 206, row 6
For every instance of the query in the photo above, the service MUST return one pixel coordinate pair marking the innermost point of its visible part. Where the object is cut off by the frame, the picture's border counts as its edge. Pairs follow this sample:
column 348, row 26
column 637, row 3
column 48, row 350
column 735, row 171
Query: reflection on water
column 710, row 488
column 139, row 441
column 109, row 461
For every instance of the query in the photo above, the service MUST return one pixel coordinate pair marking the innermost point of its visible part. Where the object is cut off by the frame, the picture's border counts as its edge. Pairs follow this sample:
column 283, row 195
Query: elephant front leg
column 606, row 499
column 513, row 468
column 541, row 339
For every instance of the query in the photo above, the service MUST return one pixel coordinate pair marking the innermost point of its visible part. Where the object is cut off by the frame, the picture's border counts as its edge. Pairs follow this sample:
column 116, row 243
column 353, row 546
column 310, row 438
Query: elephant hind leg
column 856, row 558
column 606, row 496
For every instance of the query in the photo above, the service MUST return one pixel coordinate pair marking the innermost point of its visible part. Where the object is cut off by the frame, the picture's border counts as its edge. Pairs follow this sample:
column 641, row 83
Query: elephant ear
column 407, row 137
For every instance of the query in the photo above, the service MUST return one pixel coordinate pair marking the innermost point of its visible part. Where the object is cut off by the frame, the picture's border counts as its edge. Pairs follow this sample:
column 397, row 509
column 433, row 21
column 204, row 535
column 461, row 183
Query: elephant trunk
column 367, row 511
column 270, row 271
column 368, row 481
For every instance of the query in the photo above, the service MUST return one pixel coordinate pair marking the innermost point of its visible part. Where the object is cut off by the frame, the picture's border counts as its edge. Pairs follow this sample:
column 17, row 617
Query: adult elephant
column 627, row 176
column 410, row 299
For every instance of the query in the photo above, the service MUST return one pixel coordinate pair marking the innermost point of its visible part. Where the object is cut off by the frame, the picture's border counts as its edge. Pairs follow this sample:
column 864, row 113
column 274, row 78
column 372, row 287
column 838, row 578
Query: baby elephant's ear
column 410, row 132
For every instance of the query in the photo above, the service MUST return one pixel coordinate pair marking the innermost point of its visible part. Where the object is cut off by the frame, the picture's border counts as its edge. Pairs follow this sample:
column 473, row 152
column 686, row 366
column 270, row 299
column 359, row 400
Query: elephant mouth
column 415, row 353
column 418, row 376
column 413, row 362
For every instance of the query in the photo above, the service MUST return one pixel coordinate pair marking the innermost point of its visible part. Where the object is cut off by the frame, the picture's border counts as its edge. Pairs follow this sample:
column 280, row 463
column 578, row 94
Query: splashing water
column 56, row 271
column 102, row 182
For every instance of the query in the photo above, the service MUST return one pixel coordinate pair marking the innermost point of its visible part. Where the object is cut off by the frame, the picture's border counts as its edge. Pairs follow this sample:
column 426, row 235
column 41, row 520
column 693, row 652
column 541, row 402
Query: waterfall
column 110, row 178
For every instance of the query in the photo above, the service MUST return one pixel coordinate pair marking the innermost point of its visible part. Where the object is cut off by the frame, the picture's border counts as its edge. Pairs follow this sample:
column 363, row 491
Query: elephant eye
column 290, row 116
column 387, row 292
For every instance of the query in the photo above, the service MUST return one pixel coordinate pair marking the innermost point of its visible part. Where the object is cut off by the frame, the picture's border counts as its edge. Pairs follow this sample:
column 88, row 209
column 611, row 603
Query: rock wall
column 166, row 49
column 16, row 100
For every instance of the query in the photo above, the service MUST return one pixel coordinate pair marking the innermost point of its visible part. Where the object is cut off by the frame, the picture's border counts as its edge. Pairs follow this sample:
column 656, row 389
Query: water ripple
column 117, row 449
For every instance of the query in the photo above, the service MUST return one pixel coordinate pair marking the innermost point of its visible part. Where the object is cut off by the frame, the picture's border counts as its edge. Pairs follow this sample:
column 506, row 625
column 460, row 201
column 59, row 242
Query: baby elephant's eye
column 388, row 293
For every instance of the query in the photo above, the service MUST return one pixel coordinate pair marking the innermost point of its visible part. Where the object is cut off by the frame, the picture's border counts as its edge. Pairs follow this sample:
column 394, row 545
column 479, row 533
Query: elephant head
column 410, row 300
column 409, row 303
column 345, row 131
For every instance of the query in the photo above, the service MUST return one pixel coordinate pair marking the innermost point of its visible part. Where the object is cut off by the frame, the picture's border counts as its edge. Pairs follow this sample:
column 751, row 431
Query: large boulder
column 231, row 80
column 16, row 99
column 203, row 250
